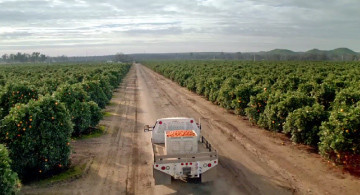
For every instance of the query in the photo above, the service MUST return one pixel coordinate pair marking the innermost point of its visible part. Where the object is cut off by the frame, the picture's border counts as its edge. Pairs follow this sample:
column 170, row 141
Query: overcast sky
column 99, row 27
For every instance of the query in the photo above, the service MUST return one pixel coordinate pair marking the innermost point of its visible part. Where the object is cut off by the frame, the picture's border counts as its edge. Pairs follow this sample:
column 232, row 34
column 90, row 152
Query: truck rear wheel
column 161, row 178
column 209, row 175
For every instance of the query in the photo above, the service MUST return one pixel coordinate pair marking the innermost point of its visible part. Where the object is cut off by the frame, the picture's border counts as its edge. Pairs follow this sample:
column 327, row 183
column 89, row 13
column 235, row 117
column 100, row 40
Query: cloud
column 208, row 25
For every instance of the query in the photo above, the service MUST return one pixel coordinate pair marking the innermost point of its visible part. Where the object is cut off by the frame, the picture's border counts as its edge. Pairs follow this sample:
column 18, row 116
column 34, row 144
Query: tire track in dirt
column 132, row 170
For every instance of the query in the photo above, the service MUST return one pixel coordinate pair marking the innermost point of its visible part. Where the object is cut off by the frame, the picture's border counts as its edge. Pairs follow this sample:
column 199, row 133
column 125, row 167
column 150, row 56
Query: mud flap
column 161, row 178
column 209, row 175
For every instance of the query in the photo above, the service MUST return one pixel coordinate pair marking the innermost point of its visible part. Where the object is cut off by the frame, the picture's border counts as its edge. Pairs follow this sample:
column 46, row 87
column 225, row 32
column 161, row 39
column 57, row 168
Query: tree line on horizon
column 38, row 57
column 24, row 57
column 339, row 54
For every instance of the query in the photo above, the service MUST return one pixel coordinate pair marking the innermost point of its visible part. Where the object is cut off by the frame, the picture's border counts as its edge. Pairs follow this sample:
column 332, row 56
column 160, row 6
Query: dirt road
column 252, row 161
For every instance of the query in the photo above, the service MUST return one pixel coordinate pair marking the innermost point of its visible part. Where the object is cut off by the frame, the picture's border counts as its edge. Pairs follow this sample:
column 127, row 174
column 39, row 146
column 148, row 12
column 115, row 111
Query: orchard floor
column 252, row 160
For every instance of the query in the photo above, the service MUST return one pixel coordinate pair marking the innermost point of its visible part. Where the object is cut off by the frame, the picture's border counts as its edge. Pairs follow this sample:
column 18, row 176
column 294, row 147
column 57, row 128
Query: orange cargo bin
column 180, row 133
column 181, row 142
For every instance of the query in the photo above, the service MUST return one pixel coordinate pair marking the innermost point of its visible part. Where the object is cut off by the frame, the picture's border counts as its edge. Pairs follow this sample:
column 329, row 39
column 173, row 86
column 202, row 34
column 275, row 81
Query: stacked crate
column 181, row 142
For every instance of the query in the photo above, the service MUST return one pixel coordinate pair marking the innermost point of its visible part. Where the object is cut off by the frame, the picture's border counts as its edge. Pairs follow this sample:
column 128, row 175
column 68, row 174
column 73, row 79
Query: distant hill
column 343, row 51
column 281, row 52
column 315, row 51
column 338, row 51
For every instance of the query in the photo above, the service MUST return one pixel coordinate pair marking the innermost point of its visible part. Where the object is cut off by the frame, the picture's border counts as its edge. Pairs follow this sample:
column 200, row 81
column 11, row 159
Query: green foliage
column 257, row 106
column 303, row 124
column 347, row 97
column 84, row 113
column 279, row 106
column 106, row 87
column 15, row 93
column 212, row 88
column 68, row 94
column 37, row 135
column 37, row 132
column 46, row 78
column 96, row 114
column 75, row 99
column 80, row 116
column 307, row 88
column 324, row 94
column 340, row 136
column 242, row 95
column 226, row 92
column 96, row 93
column 9, row 181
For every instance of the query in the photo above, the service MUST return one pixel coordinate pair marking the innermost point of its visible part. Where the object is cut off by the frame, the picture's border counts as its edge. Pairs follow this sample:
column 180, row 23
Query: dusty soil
column 252, row 160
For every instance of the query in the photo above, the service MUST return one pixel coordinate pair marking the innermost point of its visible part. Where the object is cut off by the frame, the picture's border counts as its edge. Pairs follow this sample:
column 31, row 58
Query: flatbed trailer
column 201, row 164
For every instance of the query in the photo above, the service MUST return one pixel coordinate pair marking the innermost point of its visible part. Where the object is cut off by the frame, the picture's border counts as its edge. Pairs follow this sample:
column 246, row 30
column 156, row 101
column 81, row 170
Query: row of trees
column 314, row 103
column 38, row 57
column 42, row 107
column 24, row 57
column 340, row 54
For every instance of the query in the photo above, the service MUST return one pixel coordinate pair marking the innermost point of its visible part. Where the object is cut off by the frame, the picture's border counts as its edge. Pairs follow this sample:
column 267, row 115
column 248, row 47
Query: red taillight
column 190, row 163
column 186, row 163
column 191, row 121
column 160, row 122
column 182, row 163
column 163, row 168
column 214, row 162
column 209, row 165
column 157, row 165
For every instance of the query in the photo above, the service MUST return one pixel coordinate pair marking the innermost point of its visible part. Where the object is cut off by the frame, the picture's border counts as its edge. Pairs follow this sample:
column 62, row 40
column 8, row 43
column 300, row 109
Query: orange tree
column 96, row 114
column 95, row 92
column 37, row 135
column 340, row 136
column 256, row 106
column 14, row 93
column 76, row 101
column 9, row 181
column 303, row 124
column 279, row 106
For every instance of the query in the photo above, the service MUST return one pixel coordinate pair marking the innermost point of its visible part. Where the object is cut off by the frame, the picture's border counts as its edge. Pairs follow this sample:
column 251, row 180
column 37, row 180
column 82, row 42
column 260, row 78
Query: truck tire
column 161, row 178
column 209, row 175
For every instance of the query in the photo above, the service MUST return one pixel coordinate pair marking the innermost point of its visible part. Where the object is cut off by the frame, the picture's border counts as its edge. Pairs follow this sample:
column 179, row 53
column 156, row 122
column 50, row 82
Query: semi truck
column 180, row 151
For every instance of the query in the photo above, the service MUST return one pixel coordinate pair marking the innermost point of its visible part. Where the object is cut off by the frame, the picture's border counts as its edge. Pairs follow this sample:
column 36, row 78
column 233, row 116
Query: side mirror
column 198, row 125
column 147, row 128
